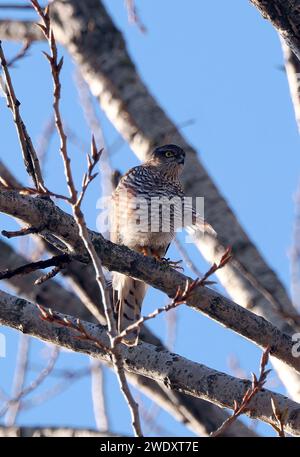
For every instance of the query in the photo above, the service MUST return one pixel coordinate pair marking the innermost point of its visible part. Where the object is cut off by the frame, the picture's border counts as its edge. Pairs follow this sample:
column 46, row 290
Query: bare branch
column 175, row 372
column 15, row 30
column 98, row 395
column 133, row 16
column 257, row 385
column 22, row 232
column 29, row 154
column 12, row 402
column 12, row 408
column 119, row 258
column 58, row 261
column 75, row 202
column 284, row 15
column 15, row 6
column 65, row 301
column 280, row 417
column 21, row 54
column 52, row 432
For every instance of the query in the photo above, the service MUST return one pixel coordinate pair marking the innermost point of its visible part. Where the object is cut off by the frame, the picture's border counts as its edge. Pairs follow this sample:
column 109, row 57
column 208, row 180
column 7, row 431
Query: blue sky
column 222, row 68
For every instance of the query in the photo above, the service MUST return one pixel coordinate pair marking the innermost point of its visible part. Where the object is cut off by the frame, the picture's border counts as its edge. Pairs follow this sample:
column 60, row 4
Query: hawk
column 143, row 220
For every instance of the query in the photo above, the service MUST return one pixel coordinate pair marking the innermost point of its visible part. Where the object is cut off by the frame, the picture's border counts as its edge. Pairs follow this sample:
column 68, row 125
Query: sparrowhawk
column 143, row 223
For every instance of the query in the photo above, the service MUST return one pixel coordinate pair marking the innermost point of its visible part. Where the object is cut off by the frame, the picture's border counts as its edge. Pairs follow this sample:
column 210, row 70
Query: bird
column 143, row 220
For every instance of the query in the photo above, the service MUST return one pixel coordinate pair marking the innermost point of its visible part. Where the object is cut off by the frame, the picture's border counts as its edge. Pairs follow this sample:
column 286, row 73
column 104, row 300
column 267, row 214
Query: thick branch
column 119, row 258
column 174, row 371
column 284, row 15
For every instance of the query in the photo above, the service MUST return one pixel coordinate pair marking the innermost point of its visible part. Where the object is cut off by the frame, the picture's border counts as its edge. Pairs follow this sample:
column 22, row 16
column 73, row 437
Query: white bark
column 58, row 224
column 284, row 15
column 174, row 371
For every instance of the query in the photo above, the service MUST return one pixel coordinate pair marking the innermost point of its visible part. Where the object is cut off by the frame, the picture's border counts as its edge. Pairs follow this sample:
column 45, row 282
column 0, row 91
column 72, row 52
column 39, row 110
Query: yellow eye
column 169, row 154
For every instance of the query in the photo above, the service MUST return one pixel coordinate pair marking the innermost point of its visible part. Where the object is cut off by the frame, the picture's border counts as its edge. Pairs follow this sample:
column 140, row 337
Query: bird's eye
column 169, row 154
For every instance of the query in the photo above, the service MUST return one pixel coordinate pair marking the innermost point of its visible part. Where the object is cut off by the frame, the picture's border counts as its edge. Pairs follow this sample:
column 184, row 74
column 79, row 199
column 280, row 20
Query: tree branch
column 120, row 258
column 20, row 31
column 292, row 68
column 51, row 432
column 136, row 114
column 200, row 416
column 30, row 157
column 174, row 371
column 284, row 15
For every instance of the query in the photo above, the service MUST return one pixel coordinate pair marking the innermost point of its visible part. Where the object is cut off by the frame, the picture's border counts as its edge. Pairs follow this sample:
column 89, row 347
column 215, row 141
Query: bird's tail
column 128, row 297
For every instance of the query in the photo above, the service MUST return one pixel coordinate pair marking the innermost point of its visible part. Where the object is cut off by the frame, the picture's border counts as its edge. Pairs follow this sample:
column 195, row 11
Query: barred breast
column 146, row 209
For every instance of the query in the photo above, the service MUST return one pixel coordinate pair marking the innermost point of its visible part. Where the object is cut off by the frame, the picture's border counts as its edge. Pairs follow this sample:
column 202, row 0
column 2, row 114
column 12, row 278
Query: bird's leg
column 150, row 252
column 145, row 250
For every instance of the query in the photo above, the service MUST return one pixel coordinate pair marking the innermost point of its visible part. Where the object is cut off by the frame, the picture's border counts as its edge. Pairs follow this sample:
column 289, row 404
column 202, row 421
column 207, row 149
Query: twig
column 51, row 392
column 280, row 417
column 22, row 232
column 21, row 54
column 68, row 377
column 94, row 124
column 11, row 185
column 48, row 315
column 226, row 257
column 133, row 16
column 98, row 395
column 12, row 408
column 89, row 176
column 14, row 6
column 29, row 154
column 58, row 261
column 34, row 384
column 257, row 385
column 75, row 202
column 150, row 418
column 184, row 254
column 50, row 274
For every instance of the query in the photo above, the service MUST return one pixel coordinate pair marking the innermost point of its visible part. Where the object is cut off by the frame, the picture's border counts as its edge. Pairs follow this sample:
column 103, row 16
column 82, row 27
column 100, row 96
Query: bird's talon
column 172, row 263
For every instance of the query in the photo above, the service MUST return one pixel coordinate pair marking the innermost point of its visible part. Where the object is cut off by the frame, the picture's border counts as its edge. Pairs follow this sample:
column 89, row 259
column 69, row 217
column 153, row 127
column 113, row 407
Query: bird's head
column 170, row 158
